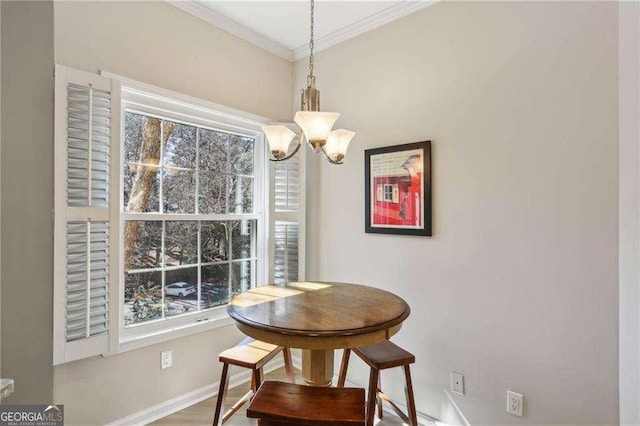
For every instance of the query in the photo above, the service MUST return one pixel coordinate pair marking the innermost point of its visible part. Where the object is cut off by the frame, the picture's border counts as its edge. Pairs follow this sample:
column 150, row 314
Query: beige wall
column 158, row 44
column 155, row 43
column 27, row 194
column 517, row 289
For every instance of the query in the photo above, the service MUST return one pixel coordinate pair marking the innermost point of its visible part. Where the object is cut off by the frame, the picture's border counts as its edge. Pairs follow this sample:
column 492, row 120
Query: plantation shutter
column 285, row 264
column 288, row 219
column 87, row 112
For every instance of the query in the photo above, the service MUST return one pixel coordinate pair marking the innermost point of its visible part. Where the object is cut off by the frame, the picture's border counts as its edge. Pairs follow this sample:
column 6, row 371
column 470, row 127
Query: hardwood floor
column 202, row 413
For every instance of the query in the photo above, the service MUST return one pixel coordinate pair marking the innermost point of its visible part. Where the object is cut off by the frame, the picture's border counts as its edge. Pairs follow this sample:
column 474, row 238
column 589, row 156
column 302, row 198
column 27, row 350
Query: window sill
column 131, row 343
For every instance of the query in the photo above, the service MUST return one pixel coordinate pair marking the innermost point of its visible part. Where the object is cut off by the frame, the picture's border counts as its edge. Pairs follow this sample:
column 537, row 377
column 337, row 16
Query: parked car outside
column 180, row 289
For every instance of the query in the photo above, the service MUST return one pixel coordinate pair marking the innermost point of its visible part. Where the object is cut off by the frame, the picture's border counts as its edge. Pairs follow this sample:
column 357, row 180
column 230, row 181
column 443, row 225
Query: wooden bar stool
column 278, row 403
column 380, row 356
column 253, row 354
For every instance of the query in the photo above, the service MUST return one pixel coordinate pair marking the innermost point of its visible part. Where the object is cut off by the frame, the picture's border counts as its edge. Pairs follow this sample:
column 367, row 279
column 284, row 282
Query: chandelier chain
column 311, row 41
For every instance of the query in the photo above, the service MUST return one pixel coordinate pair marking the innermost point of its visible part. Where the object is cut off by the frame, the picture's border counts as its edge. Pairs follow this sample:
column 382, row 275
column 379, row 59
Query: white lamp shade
column 337, row 143
column 316, row 125
column 279, row 137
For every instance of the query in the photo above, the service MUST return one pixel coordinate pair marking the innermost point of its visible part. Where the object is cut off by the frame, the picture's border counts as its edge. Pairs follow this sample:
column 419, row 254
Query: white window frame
column 154, row 101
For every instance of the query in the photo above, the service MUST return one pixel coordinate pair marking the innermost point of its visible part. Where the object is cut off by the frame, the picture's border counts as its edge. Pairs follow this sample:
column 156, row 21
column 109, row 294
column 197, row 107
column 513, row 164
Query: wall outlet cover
column 457, row 383
column 515, row 403
column 166, row 359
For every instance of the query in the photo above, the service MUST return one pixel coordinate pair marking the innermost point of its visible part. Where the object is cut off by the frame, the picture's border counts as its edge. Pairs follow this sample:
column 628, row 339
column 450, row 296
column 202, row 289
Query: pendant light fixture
column 316, row 126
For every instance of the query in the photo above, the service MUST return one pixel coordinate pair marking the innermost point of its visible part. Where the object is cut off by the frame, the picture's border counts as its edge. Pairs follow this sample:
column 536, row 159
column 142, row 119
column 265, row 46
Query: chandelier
column 316, row 126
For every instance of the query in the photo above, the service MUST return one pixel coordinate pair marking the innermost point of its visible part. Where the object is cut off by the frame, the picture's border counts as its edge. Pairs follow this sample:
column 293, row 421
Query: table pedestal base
column 317, row 367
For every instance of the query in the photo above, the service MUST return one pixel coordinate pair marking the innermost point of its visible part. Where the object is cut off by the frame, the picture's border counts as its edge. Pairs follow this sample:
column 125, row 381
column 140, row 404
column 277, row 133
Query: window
column 391, row 193
column 388, row 192
column 181, row 182
column 192, row 210
column 160, row 213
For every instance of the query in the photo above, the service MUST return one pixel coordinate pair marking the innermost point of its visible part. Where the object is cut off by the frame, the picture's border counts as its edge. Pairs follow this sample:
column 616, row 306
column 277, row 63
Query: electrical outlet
column 457, row 383
column 515, row 402
column 166, row 359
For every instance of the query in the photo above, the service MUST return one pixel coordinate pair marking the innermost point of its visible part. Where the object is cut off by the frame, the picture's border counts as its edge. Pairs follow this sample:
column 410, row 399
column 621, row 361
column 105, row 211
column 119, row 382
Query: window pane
column 241, row 237
column 180, row 148
column 142, row 297
column 213, row 193
column 214, row 238
column 142, row 244
column 179, row 161
column 240, row 277
column 241, row 197
column 241, row 155
column 141, row 188
column 134, row 125
column 213, row 151
column 181, row 243
column 181, row 291
column 142, row 155
column 215, row 285
column 179, row 189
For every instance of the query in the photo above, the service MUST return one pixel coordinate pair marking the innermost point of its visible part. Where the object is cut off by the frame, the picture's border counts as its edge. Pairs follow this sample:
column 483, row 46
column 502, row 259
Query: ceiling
column 282, row 27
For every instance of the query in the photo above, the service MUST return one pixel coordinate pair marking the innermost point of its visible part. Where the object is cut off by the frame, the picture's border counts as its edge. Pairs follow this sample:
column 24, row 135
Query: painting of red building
column 396, row 189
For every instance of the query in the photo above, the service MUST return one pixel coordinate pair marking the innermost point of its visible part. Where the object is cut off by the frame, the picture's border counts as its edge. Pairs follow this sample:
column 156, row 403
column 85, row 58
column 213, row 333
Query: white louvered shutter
column 86, row 151
column 285, row 259
column 288, row 219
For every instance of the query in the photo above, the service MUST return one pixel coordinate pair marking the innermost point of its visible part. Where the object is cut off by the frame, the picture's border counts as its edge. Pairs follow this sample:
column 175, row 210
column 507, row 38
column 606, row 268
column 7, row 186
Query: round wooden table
column 318, row 317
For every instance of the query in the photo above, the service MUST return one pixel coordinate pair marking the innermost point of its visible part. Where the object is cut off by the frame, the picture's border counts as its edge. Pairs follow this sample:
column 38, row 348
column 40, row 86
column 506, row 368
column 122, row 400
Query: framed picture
column 398, row 189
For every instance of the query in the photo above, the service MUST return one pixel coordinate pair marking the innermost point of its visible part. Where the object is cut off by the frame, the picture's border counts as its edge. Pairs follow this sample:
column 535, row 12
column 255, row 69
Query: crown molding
column 369, row 23
column 376, row 20
column 200, row 11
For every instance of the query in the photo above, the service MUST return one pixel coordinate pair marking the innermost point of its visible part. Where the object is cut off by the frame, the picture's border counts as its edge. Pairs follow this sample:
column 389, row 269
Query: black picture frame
column 398, row 189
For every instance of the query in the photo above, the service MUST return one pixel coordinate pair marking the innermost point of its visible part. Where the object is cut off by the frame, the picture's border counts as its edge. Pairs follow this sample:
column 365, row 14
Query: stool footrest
column 238, row 405
column 384, row 397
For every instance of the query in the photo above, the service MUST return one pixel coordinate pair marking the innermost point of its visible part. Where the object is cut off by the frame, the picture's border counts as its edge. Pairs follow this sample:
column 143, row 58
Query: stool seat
column 249, row 353
column 384, row 355
column 252, row 354
column 286, row 403
column 380, row 356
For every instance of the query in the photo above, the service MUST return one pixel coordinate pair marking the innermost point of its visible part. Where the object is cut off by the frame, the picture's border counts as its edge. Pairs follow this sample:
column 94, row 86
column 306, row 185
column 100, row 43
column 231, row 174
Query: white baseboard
column 461, row 417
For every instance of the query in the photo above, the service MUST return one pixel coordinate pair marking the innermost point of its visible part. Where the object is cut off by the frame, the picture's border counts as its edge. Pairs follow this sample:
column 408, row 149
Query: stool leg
column 379, row 400
column 257, row 378
column 373, row 394
column 411, row 405
column 224, row 384
column 288, row 366
column 343, row 367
